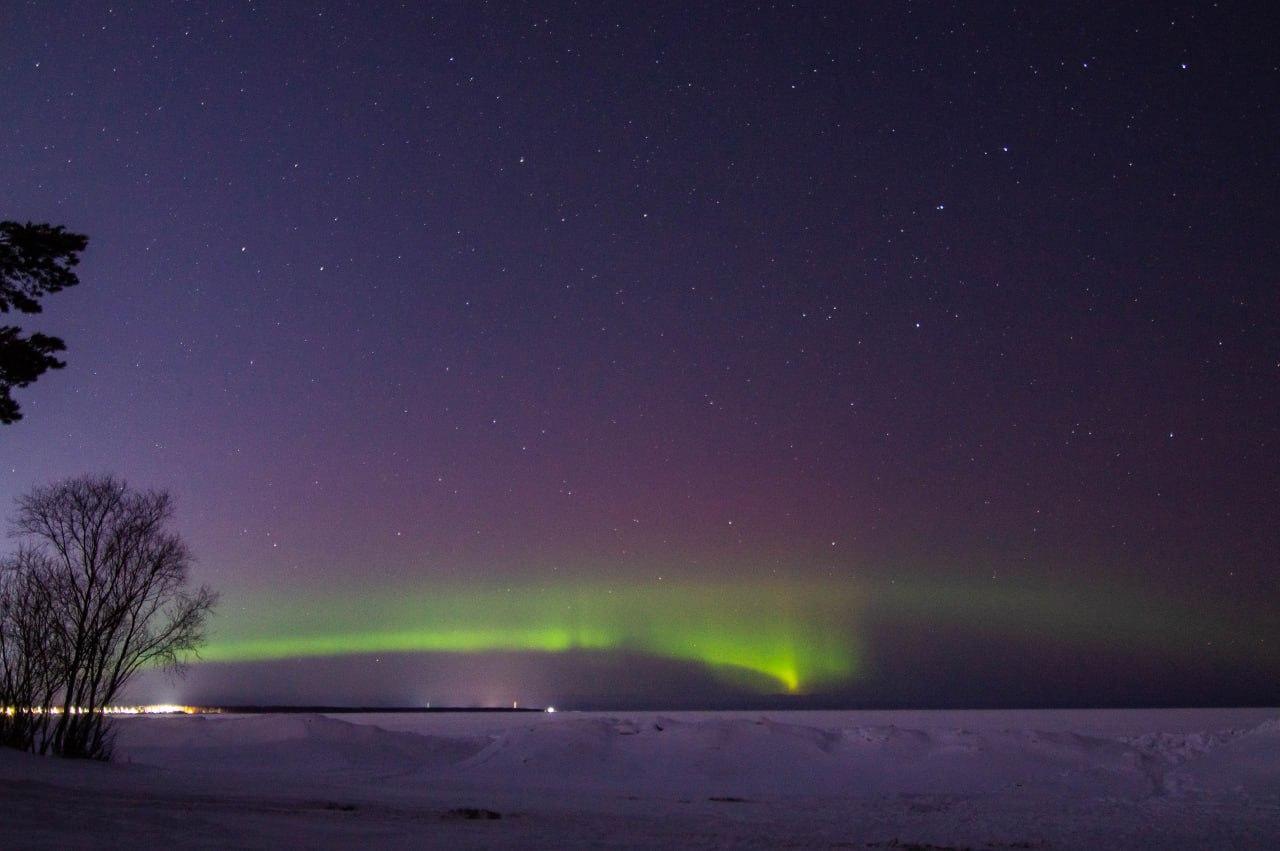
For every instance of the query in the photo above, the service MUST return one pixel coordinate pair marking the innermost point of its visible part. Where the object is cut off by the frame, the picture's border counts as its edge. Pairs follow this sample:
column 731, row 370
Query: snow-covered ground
column 1027, row 779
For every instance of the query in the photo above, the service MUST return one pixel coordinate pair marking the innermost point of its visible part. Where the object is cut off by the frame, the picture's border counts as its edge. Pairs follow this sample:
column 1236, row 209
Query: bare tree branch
column 111, row 584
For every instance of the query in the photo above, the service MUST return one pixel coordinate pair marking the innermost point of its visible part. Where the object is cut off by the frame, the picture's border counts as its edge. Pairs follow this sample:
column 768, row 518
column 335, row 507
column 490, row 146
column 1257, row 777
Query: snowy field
column 1095, row 779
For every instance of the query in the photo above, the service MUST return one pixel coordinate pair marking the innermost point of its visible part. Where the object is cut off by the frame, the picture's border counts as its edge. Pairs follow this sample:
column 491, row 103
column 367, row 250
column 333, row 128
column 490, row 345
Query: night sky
column 670, row 354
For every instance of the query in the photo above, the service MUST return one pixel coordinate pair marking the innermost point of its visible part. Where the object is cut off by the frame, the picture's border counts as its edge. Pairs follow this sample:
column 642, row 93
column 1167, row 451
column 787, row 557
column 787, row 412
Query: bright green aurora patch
column 796, row 637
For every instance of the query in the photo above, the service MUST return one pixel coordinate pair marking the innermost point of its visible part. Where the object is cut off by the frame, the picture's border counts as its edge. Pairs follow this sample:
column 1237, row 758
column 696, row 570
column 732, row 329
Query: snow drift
column 1180, row 779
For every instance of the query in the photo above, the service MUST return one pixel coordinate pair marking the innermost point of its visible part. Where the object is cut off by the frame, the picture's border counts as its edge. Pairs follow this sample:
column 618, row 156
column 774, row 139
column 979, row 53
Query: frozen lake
column 946, row 779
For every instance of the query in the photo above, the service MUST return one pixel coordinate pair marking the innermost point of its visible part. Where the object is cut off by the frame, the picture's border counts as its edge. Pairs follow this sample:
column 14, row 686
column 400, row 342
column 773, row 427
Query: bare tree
column 116, row 581
column 30, row 673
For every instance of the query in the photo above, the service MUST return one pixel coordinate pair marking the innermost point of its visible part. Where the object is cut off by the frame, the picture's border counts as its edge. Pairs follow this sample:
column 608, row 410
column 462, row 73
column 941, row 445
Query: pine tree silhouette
column 35, row 260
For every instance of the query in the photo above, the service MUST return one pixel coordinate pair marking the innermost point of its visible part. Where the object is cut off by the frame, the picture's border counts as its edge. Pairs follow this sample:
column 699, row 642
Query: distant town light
column 150, row 709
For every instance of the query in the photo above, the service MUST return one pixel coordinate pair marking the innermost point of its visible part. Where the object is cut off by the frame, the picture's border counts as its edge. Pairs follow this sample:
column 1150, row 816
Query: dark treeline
column 96, row 590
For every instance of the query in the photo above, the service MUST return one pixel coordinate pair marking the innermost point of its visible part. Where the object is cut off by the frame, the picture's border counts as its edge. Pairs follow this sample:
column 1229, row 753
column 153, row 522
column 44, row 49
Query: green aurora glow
column 769, row 636
column 789, row 635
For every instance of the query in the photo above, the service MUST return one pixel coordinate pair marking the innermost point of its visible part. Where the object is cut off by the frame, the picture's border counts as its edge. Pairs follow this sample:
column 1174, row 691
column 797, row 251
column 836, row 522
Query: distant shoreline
column 350, row 710
column 286, row 709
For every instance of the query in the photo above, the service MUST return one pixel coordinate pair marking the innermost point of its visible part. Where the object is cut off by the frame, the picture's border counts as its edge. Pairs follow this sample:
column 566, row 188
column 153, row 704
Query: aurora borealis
column 674, row 354
column 767, row 638
column 790, row 639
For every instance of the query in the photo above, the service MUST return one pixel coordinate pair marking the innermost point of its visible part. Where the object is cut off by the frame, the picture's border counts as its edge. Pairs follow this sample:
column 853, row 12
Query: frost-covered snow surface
column 1028, row 779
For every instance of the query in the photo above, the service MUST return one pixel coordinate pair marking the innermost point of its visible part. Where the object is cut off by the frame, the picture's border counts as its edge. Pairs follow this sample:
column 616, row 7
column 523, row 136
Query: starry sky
column 675, row 354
